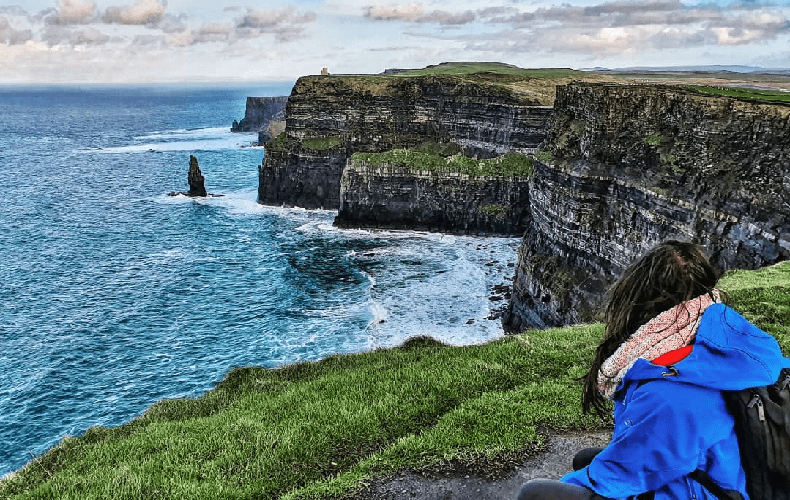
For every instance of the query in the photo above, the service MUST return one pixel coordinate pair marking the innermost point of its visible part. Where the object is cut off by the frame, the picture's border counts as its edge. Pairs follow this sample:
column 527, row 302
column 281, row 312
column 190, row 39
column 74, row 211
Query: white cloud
column 410, row 12
column 70, row 12
column 414, row 13
column 11, row 36
column 121, row 38
column 59, row 35
column 145, row 12
column 285, row 24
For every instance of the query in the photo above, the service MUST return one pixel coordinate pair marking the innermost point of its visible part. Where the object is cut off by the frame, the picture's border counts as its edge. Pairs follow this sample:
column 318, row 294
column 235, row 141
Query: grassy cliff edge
column 319, row 430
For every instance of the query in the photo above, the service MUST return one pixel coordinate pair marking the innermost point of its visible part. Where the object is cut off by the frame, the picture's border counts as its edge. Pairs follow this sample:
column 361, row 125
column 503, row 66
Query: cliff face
column 260, row 113
column 331, row 117
column 297, row 176
column 626, row 167
column 397, row 197
column 619, row 168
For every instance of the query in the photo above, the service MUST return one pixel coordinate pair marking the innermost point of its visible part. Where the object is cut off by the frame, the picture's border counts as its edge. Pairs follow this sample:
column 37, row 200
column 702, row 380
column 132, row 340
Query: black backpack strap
column 705, row 480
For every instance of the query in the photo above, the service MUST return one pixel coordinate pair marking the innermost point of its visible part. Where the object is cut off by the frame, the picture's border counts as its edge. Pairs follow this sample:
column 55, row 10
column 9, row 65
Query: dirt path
column 550, row 464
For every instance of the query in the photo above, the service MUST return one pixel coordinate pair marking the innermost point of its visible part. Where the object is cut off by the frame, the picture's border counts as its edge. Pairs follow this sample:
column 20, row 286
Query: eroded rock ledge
column 398, row 197
column 330, row 118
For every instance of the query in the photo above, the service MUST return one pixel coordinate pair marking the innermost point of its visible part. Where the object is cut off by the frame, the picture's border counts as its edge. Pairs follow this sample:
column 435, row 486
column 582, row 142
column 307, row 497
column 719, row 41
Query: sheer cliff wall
column 627, row 166
column 328, row 118
column 618, row 168
column 259, row 114
column 398, row 197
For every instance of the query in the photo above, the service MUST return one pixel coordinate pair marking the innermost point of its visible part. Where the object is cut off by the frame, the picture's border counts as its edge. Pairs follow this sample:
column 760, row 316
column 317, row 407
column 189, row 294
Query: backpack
column 762, row 424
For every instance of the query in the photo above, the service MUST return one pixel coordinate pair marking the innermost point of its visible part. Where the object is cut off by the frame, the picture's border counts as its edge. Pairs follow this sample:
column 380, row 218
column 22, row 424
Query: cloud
column 11, row 36
column 624, row 26
column 59, row 35
column 414, row 13
column 13, row 10
column 173, row 24
column 266, row 19
column 69, row 12
column 285, row 24
column 410, row 12
column 146, row 41
column 145, row 12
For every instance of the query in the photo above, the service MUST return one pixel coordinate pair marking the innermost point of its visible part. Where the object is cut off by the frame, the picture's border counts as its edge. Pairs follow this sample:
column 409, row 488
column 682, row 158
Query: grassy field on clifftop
column 316, row 430
column 427, row 159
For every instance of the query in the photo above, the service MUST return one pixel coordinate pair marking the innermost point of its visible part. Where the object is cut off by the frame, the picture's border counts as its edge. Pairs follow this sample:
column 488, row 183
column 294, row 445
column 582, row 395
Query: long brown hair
column 669, row 274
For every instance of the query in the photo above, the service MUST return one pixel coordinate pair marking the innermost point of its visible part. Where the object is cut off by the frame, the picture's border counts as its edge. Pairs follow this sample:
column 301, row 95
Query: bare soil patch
column 484, row 482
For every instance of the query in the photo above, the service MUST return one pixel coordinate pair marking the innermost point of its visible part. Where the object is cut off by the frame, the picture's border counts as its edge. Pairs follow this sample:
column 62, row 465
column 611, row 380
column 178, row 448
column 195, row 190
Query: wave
column 202, row 139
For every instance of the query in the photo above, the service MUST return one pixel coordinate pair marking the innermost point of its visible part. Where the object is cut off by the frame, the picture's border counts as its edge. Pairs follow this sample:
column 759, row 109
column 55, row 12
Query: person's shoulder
column 673, row 393
column 722, row 318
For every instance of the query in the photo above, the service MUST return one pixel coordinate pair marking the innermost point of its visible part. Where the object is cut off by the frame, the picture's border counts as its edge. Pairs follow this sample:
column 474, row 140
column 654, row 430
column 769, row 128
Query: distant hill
column 716, row 68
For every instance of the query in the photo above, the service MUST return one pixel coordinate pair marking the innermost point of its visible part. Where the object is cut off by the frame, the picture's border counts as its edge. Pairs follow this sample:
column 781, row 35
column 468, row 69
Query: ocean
column 114, row 295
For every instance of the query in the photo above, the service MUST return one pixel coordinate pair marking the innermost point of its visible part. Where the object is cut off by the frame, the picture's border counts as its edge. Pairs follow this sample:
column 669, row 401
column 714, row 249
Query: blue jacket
column 667, row 428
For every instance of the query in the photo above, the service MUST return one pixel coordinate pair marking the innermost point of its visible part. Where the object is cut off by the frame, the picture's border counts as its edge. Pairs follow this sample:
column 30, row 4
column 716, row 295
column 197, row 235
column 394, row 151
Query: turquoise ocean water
column 114, row 295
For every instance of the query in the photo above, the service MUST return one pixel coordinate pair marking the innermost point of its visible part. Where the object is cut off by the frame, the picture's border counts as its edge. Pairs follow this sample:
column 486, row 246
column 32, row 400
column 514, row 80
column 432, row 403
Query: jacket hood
column 729, row 354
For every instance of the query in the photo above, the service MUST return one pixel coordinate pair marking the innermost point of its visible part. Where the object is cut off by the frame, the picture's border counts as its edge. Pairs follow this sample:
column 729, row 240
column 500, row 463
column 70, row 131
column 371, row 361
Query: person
column 670, row 347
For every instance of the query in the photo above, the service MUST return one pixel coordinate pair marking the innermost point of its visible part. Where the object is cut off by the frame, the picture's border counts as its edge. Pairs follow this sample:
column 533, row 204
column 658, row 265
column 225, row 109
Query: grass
column 316, row 430
column 531, row 86
column 421, row 160
column 495, row 68
column 321, row 143
column 743, row 93
column 543, row 156
column 281, row 143
column 763, row 296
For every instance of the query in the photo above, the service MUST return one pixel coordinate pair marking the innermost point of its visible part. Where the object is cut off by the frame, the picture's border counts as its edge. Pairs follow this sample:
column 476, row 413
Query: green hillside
column 316, row 430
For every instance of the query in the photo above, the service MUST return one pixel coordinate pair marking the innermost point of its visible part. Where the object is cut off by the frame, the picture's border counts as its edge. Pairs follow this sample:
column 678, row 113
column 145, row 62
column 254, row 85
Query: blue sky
column 145, row 41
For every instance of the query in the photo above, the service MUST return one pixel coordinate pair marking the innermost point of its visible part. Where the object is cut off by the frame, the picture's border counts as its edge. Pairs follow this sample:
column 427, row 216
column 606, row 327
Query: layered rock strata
column 261, row 115
column 398, row 197
column 627, row 166
column 328, row 118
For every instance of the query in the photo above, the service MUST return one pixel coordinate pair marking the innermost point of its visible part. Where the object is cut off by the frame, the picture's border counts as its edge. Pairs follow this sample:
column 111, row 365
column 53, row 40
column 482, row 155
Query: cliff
column 627, row 166
column 399, row 196
column 329, row 118
column 617, row 169
column 261, row 115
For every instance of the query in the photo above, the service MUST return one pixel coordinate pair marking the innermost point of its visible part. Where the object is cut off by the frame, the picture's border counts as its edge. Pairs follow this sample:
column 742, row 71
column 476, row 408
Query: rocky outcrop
column 330, row 118
column 195, row 179
column 197, row 188
column 398, row 197
column 262, row 115
column 627, row 166
column 296, row 175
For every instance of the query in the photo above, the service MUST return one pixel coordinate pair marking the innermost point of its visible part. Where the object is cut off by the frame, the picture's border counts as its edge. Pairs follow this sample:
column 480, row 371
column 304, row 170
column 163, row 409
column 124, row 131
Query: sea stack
column 195, row 178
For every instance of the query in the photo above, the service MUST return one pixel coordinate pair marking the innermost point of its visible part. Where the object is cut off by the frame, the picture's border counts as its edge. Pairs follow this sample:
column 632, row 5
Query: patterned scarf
column 666, row 332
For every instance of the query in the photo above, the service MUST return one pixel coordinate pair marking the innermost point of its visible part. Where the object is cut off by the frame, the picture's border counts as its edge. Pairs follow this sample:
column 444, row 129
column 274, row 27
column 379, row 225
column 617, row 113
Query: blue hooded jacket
column 666, row 426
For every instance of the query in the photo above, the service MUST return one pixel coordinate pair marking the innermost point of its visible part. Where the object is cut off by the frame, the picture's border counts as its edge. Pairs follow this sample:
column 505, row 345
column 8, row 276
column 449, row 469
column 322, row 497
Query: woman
column 670, row 349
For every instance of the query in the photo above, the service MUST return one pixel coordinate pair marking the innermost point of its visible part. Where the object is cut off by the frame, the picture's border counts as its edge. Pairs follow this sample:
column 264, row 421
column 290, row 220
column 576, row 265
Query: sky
column 151, row 41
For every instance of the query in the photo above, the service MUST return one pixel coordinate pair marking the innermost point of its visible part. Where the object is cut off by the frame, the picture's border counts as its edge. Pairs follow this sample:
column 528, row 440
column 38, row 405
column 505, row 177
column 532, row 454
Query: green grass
column 320, row 143
column 543, row 156
column 471, row 68
column 278, row 143
column 763, row 296
column 509, row 164
column 744, row 93
column 316, row 430
column 653, row 139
